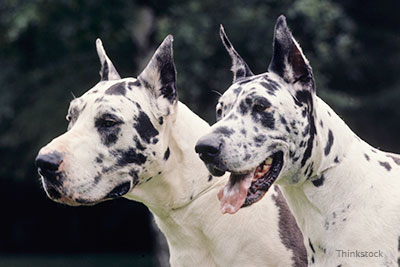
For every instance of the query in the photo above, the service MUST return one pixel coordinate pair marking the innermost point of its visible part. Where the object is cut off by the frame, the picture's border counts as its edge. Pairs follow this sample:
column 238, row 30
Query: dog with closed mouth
column 132, row 138
column 273, row 129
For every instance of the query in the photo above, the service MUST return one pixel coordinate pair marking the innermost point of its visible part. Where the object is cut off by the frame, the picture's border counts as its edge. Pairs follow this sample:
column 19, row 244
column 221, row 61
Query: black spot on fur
column 138, row 145
column 321, row 124
column 260, row 139
column 289, row 232
column 129, row 156
column 108, row 133
column 243, row 108
column 155, row 141
column 246, row 157
column 144, row 127
column 117, row 89
column 386, row 165
column 283, row 120
column 210, row 177
column 318, row 182
column 366, row 156
column 161, row 120
column 329, row 144
column 225, row 131
column 311, row 245
column 134, row 84
column 166, row 154
column 336, row 159
column 396, row 160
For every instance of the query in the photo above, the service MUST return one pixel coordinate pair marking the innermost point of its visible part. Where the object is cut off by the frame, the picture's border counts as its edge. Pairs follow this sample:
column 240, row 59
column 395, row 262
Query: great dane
column 273, row 129
column 132, row 138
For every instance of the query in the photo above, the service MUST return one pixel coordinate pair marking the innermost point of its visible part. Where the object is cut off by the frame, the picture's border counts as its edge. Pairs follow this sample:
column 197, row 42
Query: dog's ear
column 239, row 68
column 107, row 71
column 288, row 60
column 159, row 76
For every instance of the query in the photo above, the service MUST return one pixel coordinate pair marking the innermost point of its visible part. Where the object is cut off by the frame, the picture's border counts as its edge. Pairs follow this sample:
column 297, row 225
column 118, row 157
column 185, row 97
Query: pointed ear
column 288, row 60
column 108, row 71
column 159, row 76
column 239, row 68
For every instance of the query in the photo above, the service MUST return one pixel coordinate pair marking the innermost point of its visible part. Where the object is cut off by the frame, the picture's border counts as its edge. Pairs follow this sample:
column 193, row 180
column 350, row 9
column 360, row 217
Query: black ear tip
column 281, row 22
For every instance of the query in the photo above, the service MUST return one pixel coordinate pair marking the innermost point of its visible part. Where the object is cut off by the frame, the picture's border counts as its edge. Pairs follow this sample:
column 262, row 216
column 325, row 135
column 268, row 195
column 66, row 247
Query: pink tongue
column 233, row 195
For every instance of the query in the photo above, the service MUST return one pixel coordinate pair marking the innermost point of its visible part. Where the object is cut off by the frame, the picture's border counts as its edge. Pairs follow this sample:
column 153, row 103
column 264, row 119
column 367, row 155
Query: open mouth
column 244, row 189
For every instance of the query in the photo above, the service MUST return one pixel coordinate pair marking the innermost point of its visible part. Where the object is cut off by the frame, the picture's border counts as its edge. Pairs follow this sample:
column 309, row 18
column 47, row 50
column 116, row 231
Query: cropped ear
column 239, row 67
column 288, row 60
column 108, row 71
column 159, row 77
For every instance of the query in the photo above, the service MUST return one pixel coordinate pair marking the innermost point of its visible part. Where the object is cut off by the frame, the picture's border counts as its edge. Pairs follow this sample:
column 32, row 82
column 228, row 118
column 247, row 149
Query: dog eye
column 259, row 107
column 107, row 123
column 219, row 113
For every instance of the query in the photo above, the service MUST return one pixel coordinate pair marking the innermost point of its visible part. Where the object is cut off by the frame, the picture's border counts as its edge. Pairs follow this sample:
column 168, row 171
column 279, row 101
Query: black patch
column 128, row 156
column 144, row 127
column 146, row 84
column 243, row 131
column 386, row 165
column 318, row 182
column 225, row 131
column 139, row 145
column 247, row 157
column 166, row 154
column 336, row 160
column 329, row 144
column 161, row 120
column 266, row 118
column 243, row 108
column 311, row 245
column 321, row 123
column 210, row 177
column 270, row 89
column 396, row 160
column 99, row 160
column 108, row 134
column 305, row 96
column 155, row 141
column 312, row 259
column 99, row 99
column 97, row 179
column 104, row 71
column 366, row 156
column 232, row 117
column 259, row 140
column 289, row 232
column 117, row 89
column 135, row 83
column 283, row 120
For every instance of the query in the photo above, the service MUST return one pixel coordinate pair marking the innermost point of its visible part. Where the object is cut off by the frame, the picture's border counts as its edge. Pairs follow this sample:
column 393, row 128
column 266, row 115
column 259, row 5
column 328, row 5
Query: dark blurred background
column 47, row 52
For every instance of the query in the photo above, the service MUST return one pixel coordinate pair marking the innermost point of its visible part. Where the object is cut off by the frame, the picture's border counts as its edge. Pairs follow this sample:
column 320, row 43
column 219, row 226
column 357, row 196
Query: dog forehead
column 265, row 85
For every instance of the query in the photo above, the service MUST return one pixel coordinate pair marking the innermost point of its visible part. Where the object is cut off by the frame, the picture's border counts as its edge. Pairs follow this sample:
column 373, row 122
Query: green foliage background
column 47, row 52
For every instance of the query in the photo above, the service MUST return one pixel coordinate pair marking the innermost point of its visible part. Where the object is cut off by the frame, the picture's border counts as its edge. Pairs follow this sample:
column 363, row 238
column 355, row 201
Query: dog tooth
column 268, row 161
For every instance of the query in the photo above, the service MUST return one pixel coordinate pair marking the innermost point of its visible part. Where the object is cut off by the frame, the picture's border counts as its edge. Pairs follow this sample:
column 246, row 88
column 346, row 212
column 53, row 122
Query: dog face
column 113, row 138
column 265, row 127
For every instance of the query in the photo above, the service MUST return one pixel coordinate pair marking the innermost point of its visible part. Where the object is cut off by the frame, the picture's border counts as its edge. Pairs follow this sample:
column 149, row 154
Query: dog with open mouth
column 273, row 129
column 132, row 138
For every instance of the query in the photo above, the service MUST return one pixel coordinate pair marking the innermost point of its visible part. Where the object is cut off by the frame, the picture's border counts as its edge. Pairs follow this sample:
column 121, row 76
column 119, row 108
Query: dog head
column 114, row 136
column 265, row 127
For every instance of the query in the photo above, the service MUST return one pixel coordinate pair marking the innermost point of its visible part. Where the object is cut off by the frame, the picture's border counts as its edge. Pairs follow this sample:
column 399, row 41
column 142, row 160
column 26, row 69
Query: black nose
column 208, row 148
column 48, row 165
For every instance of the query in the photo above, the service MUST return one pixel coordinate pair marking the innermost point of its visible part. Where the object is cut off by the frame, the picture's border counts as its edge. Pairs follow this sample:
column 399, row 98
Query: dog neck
column 325, row 204
column 183, row 177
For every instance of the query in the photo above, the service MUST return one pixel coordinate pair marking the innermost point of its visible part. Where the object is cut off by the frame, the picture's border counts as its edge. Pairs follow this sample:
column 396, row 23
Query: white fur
column 360, row 196
column 197, row 232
